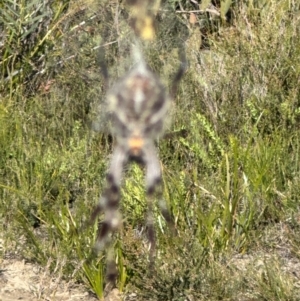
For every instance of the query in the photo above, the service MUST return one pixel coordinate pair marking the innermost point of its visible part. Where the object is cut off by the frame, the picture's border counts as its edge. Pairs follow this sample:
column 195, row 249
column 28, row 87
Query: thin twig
column 201, row 11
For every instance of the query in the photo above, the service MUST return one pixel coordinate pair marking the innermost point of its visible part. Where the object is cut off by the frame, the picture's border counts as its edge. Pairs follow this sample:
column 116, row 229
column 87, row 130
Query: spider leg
column 179, row 74
column 109, row 204
column 109, row 201
column 103, row 67
column 154, row 187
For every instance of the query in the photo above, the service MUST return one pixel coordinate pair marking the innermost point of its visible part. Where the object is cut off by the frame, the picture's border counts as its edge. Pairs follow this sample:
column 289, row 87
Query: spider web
column 95, row 31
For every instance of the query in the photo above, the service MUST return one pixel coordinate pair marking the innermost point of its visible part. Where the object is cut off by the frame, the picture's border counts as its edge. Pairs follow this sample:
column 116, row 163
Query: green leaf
column 205, row 4
column 225, row 5
column 33, row 26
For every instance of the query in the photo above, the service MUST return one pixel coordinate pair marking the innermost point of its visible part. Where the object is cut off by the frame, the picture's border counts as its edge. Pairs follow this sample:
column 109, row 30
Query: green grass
column 231, row 180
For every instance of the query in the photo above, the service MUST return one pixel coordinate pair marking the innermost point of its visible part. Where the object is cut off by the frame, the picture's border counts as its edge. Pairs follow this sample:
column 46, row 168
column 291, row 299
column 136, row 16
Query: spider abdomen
column 138, row 103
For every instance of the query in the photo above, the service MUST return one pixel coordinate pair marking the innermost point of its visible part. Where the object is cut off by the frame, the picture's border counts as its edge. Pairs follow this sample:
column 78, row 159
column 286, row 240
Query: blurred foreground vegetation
column 230, row 158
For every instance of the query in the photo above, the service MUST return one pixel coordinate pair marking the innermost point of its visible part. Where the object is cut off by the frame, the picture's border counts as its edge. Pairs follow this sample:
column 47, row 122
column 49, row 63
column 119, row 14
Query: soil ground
column 28, row 282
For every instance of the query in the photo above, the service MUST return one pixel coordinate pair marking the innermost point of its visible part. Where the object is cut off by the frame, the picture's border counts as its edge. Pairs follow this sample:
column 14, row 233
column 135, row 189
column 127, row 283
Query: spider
column 138, row 104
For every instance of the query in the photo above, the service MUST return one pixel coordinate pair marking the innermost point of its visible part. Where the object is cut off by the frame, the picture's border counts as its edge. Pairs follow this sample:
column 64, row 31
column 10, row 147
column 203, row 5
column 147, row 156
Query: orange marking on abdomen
column 135, row 144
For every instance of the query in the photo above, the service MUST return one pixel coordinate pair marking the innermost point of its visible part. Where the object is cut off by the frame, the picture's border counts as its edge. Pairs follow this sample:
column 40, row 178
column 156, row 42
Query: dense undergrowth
column 230, row 157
